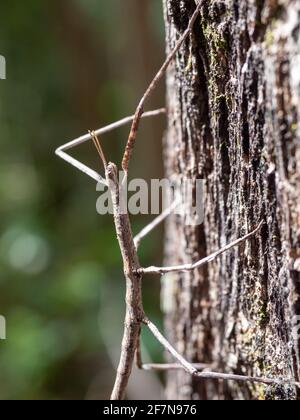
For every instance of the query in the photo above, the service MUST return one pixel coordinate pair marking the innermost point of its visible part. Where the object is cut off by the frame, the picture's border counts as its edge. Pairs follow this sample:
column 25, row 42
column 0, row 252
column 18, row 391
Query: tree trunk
column 233, row 101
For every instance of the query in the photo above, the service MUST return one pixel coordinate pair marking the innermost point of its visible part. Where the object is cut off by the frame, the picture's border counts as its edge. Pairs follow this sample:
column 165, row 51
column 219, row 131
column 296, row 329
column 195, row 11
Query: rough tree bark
column 233, row 104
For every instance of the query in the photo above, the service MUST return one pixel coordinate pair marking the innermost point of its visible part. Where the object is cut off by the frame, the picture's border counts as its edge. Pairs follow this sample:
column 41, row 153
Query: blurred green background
column 72, row 65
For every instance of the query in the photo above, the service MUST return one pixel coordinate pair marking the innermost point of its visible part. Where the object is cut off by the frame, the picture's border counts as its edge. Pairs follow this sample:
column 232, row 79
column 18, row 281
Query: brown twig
column 191, row 267
column 140, row 109
column 134, row 307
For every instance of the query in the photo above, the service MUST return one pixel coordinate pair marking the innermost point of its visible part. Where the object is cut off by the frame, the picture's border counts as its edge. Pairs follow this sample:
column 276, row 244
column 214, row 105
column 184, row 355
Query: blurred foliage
column 72, row 65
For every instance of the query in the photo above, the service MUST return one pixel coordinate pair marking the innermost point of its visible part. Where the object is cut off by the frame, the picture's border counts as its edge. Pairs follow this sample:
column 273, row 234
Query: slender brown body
column 134, row 310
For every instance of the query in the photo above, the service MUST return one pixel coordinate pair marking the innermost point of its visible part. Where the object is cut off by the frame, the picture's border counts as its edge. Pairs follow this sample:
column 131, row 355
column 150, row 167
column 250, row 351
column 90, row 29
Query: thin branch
column 60, row 152
column 192, row 370
column 140, row 109
column 212, row 257
column 81, row 167
column 172, row 366
column 164, row 366
column 109, row 128
column 158, row 335
column 134, row 305
column 156, row 222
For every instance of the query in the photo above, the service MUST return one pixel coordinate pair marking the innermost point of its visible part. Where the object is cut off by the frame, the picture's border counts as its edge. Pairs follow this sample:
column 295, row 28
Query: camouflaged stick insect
column 134, row 307
column 135, row 316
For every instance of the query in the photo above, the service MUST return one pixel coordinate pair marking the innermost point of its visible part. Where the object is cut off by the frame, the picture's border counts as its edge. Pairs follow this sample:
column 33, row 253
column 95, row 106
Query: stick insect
column 135, row 316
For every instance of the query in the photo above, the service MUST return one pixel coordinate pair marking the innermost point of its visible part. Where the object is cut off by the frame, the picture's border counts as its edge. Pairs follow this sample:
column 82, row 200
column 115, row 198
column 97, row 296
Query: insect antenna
column 98, row 147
